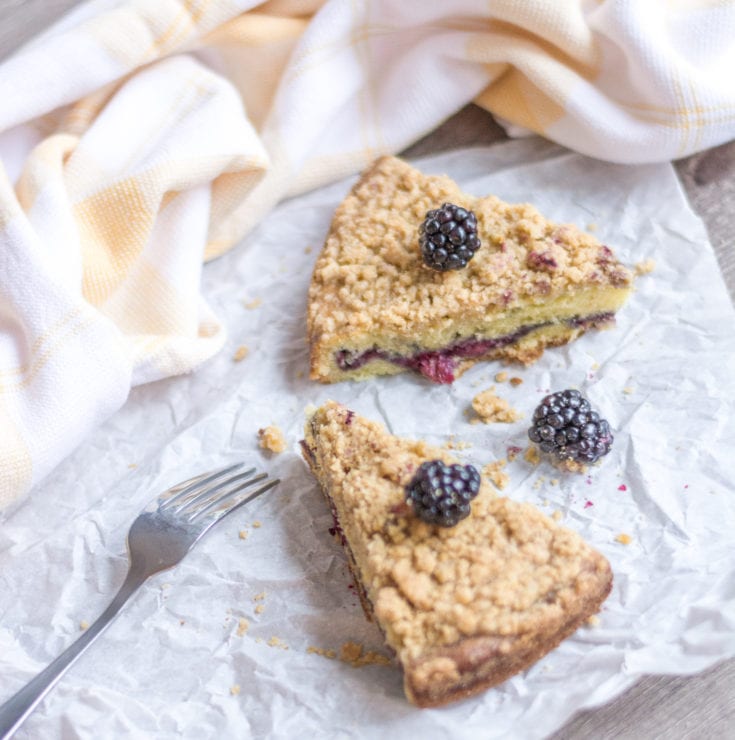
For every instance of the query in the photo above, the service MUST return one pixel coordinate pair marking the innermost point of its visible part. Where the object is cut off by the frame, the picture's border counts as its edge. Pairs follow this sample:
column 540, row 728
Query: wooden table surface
column 674, row 708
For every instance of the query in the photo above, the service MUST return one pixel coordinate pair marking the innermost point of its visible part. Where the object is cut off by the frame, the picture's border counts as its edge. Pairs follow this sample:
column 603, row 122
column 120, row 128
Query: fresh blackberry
column 565, row 426
column 448, row 238
column 441, row 494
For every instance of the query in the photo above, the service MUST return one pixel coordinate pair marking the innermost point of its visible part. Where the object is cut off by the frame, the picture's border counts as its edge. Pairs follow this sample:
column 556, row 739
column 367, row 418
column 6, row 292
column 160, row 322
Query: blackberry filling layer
column 440, row 365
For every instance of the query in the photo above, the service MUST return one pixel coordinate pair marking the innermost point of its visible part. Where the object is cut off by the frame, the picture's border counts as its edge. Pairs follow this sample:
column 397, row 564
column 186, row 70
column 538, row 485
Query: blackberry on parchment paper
column 441, row 494
column 566, row 427
column 448, row 238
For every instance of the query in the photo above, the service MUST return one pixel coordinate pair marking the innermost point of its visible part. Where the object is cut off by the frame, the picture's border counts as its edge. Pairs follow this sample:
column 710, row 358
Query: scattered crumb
column 539, row 482
column 643, row 268
column 501, row 377
column 257, row 524
column 242, row 626
column 595, row 366
column 453, row 444
column 624, row 539
column 513, row 452
column 591, row 226
column 532, row 455
column 490, row 408
column 494, row 471
column 593, row 621
column 554, row 481
column 84, row 624
column 516, row 381
column 271, row 439
column 259, row 597
column 627, row 390
column 331, row 654
column 260, row 609
column 240, row 353
column 351, row 652
column 556, row 516
column 132, row 466
column 277, row 642
column 243, row 534
column 252, row 304
column 182, row 621
column 235, row 690
column 545, row 502
column 307, row 250
column 300, row 374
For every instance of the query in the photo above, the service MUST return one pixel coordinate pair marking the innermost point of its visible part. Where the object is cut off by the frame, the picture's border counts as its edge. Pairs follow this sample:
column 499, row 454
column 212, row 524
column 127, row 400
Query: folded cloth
column 138, row 139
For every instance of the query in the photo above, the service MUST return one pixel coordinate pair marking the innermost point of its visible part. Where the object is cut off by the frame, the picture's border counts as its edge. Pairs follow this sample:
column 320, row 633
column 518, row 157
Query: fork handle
column 19, row 706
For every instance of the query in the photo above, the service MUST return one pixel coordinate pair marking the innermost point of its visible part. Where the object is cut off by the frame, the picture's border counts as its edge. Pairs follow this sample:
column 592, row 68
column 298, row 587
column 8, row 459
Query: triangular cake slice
column 375, row 308
column 465, row 607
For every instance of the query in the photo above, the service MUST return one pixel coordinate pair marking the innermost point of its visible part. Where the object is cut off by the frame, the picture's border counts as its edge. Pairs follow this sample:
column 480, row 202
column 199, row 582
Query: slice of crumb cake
column 466, row 605
column 376, row 308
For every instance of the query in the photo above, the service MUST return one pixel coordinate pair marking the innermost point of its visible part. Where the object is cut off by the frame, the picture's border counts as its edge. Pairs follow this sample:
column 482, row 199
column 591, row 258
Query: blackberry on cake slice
column 468, row 588
column 417, row 275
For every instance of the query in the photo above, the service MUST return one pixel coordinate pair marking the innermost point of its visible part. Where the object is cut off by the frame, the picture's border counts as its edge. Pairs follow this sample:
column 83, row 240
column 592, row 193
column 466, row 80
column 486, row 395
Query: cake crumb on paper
column 491, row 408
column 593, row 620
column 501, row 377
column 132, row 466
column 84, row 624
column 277, row 642
column 243, row 534
column 330, row 654
column 271, row 438
column 260, row 596
column 532, row 455
column 240, row 353
column 253, row 303
column 556, row 515
column 516, row 381
column 235, row 690
column 352, row 653
column 644, row 267
column 495, row 473
column 592, row 226
column 242, row 626
column 257, row 524
column 260, row 608
column 455, row 444
column 628, row 390
column 624, row 539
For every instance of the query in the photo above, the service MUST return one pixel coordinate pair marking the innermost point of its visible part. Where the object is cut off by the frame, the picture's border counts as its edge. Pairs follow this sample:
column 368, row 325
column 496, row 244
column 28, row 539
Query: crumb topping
column 505, row 571
column 369, row 275
column 495, row 473
column 491, row 408
column 271, row 439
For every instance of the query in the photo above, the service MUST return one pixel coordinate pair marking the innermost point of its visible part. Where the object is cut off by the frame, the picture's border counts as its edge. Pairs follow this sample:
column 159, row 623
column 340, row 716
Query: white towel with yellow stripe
column 139, row 138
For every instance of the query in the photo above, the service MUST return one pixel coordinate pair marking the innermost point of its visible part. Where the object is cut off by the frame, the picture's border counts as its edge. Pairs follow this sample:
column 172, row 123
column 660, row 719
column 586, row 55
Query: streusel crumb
column 235, row 690
column 271, row 438
column 491, row 408
column 532, row 455
column 242, row 626
column 501, row 377
column 240, row 353
column 644, row 267
column 330, row 654
column 494, row 472
column 624, row 539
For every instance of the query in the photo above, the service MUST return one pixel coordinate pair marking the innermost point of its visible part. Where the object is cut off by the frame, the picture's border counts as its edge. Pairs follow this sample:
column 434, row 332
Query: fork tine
column 229, row 494
column 207, row 493
column 193, row 484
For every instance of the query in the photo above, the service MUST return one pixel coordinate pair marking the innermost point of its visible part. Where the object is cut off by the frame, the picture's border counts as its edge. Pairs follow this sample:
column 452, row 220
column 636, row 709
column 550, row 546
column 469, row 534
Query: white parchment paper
column 170, row 665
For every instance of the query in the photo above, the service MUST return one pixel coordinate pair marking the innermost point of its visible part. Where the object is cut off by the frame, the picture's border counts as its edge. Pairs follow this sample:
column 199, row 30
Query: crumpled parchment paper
column 179, row 662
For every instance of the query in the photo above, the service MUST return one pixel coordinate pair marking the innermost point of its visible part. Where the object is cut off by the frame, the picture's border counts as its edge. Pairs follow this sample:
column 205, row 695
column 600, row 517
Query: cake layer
column 370, row 290
column 465, row 607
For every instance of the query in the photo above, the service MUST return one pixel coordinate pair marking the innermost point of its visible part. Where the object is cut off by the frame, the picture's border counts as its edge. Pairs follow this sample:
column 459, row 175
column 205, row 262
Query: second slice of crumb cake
column 464, row 607
column 375, row 308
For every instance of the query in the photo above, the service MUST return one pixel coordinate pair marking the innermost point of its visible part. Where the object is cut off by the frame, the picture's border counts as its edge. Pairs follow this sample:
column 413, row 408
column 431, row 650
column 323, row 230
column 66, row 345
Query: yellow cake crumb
column 277, row 642
column 271, row 438
column 252, row 304
column 592, row 226
column 257, row 524
column 593, row 620
column 132, row 466
column 644, row 267
column 627, row 390
column 308, row 250
column 331, row 654
column 516, row 381
column 501, row 377
column 242, row 626
column 240, row 353
column 494, row 472
column 624, row 539
column 352, row 653
column 243, row 534
column 259, row 609
column 84, row 624
column 490, row 408
column 260, row 596
column 556, row 516
column 532, row 455
column 235, row 690
column 454, row 444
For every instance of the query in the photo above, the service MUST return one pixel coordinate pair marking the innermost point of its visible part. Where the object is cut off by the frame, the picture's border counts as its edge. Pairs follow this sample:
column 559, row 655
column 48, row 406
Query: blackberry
column 448, row 238
column 565, row 426
column 441, row 494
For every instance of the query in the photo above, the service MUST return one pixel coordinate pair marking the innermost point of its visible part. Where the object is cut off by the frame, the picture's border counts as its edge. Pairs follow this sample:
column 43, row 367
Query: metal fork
column 159, row 538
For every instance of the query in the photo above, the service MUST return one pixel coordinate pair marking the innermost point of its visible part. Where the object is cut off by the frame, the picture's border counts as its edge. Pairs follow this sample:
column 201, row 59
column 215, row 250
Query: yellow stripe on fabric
column 16, row 472
column 114, row 226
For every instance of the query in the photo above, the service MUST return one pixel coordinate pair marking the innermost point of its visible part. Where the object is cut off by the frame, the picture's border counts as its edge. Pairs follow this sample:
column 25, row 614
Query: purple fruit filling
column 439, row 365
